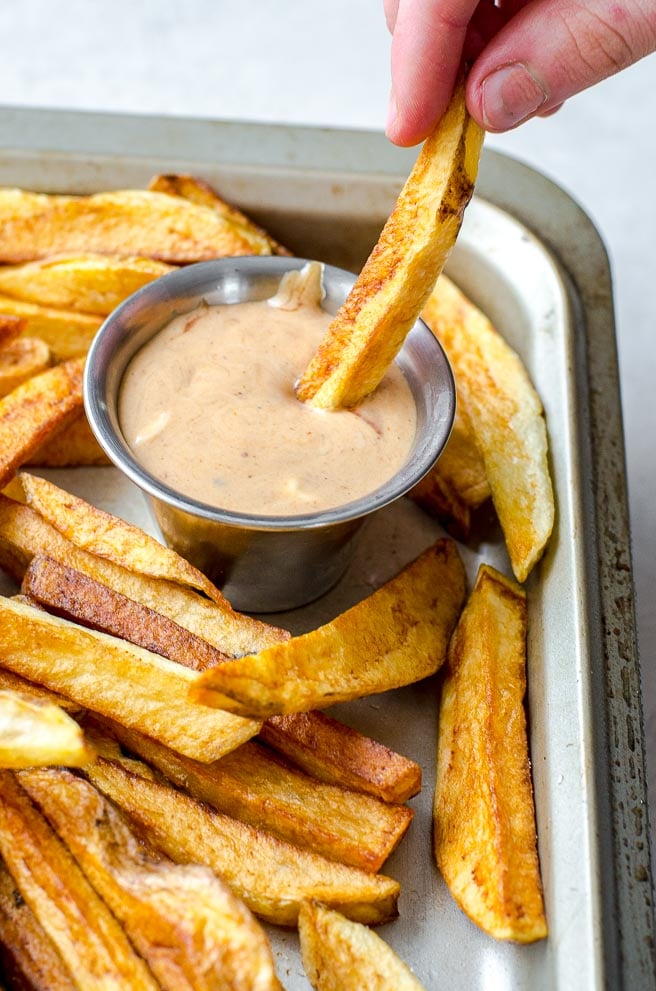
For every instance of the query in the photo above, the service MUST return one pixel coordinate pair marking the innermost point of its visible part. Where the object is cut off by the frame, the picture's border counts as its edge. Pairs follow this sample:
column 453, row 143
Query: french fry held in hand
column 21, row 360
column 341, row 955
column 36, row 732
column 390, row 292
column 507, row 419
column 191, row 930
column 90, row 941
column 271, row 876
column 484, row 821
column 398, row 635
column 68, row 334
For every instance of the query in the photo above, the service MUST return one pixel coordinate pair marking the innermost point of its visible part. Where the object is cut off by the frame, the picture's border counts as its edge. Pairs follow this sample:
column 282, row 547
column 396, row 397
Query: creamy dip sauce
column 208, row 407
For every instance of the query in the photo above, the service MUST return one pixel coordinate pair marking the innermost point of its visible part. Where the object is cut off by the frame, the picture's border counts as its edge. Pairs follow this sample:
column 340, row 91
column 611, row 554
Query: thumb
column 553, row 49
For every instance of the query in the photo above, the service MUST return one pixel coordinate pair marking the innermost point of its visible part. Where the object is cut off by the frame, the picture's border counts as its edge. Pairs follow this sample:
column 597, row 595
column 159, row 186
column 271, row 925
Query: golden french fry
column 390, row 292
column 133, row 222
column 35, row 411
column 34, row 732
column 11, row 327
column 341, row 955
column 72, row 447
column 187, row 925
column 271, row 876
column 507, row 418
column 20, row 360
column 82, row 283
column 118, row 680
column 67, row 334
column 396, row 636
column 484, row 821
column 91, row 942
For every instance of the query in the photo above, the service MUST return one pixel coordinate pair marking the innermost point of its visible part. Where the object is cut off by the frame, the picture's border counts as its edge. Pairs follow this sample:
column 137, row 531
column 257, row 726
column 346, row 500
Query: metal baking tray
column 532, row 260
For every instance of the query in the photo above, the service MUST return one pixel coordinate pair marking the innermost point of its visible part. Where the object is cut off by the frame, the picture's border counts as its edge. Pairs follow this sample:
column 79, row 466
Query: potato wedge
column 35, row 411
column 118, row 680
column 191, row 930
column 271, row 876
column 396, row 636
column 484, row 821
column 11, row 327
column 72, row 447
column 134, row 222
column 67, row 334
column 507, row 418
column 341, row 955
column 397, row 279
column 20, row 360
column 89, row 939
column 330, row 751
column 82, row 283
column 35, row 732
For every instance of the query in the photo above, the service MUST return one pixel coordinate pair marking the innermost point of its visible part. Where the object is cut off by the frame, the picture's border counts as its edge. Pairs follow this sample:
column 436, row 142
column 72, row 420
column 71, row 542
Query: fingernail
column 510, row 95
column 392, row 112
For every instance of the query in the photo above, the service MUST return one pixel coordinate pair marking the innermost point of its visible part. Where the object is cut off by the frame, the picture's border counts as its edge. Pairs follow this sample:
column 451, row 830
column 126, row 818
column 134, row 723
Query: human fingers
column 391, row 8
column 553, row 49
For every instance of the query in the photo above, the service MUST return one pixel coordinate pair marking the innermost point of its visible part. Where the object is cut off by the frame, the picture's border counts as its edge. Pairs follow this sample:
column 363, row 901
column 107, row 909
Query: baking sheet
column 328, row 202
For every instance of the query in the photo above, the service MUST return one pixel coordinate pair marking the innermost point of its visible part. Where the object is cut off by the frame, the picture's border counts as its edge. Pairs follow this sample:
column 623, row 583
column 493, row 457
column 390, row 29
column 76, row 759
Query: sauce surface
column 208, row 407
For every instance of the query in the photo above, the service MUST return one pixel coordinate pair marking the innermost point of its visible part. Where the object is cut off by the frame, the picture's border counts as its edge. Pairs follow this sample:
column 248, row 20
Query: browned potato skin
column 11, row 327
column 484, row 821
column 20, row 360
column 72, row 447
column 68, row 334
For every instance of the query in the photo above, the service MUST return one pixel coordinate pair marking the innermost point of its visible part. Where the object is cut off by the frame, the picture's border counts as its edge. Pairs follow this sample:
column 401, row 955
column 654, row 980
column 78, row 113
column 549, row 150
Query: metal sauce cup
column 262, row 563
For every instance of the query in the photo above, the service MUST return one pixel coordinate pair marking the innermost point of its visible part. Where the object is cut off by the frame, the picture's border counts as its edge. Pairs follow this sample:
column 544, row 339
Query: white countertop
column 305, row 62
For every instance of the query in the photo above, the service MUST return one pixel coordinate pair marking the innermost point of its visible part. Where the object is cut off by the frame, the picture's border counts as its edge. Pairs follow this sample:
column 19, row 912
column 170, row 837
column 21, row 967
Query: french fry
column 82, row 283
column 67, row 334
column 35, row 411
column 36, row 732
column 254, row 786
column 271, row 876
column 118, row 680
column 10, row 328
column 133, row 222
column 397, row 279
column 396, row 636
column 484, row 821
column 341, row 955
column 330, row 751
column 27, row 954
column 193, row 933
column 89, row 939
column 10, row 682
column 20, row 360
column 72, row 447
column 507, row 418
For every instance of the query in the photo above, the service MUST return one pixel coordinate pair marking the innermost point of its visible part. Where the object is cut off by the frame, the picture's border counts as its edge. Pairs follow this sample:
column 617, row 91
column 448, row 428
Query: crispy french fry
column 10, row 328
column 35, row 411
column 191, row 930
column 36, row 732
column 507, row 418
column 72, row 447
column 67, row 334
column 271, row 876
column 396, row 636
column 134, row 222
column 484, row 821
column 89, row 939
column 330, row 751
column 82, row 283
column 254, row 786
column 10, row 682
column 397, row 279
column 341, row 955
column 20, row 360
column 118, row 680
column 28, row 956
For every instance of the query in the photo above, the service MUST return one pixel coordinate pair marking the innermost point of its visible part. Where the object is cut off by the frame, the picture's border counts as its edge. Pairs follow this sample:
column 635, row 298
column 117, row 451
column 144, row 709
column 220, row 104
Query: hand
column 527, row 56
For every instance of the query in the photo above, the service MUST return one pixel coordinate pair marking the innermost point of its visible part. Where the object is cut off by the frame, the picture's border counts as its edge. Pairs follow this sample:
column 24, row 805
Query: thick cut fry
column 507, row 418
column 28, row 957
column 132, row 222
column 341, row 955
column 200, row 192
column 118, row 680
column 35, row 411
column 35, row 732
column 252, row 785
column 397, row 279
column 83, row 283
column 89, row 939
column 67, row 334
column 21, row 360
column 10, row 682
column 193, row 933
column 72, row 447
column 396, row 636
column 332, row 752
column 271, row 876
column 10, row 328
column 484, row 822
